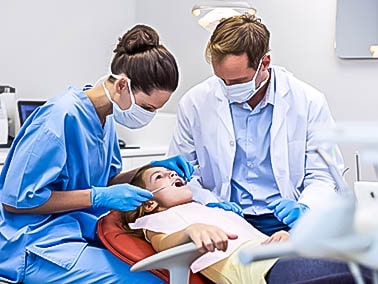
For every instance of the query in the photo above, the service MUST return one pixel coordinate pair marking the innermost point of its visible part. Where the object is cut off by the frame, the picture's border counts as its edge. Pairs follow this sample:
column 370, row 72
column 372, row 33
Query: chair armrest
column 250, row 253
column 177, row 260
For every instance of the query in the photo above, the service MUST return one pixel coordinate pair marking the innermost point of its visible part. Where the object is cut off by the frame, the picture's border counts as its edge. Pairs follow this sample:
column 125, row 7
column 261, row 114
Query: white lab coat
column 204, row 135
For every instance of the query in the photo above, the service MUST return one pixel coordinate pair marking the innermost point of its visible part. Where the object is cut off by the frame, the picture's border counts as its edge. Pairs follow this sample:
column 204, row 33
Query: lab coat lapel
column 223, row 112
column 281, row 107
column 278, row 141
column 225, row 144
column 279, row 126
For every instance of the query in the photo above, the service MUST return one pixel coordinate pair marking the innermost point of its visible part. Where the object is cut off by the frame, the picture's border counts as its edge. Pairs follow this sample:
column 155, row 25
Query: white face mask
column 240, row 93
column 133, row 117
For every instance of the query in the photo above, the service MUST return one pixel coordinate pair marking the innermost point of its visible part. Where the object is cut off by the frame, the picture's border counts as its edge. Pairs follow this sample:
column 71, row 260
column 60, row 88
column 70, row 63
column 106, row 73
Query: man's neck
column 256, row 99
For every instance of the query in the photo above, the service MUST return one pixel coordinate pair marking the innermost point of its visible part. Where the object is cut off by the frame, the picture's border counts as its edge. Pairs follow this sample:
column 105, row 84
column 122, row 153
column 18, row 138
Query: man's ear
column 150, row 205
column 266, row 61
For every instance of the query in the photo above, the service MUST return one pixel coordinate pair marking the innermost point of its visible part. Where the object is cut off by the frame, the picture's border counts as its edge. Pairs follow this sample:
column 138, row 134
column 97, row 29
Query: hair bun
column 139, row 39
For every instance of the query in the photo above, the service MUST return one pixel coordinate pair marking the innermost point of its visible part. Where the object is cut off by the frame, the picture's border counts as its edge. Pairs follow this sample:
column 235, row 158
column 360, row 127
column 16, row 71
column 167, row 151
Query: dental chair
column 171, row 265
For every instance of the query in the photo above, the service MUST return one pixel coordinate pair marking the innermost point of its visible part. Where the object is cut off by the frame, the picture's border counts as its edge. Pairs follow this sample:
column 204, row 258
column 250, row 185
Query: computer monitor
column 25, row 108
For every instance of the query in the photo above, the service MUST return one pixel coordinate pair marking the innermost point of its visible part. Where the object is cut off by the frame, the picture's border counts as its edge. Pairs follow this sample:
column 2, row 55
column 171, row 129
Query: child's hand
column 279, row 236
column 208, row 238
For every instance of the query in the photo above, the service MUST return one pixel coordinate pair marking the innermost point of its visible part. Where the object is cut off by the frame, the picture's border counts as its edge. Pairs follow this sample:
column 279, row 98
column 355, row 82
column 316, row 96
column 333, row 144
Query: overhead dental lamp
column 211, row 12
column 374, row 51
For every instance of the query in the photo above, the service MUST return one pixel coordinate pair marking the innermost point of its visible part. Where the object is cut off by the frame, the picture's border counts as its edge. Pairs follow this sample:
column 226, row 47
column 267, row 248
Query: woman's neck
column 100, row 102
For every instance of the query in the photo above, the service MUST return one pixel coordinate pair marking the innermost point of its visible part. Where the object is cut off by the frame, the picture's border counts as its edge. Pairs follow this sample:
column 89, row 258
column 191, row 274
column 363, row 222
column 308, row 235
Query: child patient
column 171, row 218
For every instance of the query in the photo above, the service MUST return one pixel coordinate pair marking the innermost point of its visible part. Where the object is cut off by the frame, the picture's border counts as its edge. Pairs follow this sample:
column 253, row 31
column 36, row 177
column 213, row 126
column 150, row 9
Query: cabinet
column 133, row 158
column 129, row 163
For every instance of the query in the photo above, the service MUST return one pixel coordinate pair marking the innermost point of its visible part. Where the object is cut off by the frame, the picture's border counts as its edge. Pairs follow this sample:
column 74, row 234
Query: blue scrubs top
column 62, row 146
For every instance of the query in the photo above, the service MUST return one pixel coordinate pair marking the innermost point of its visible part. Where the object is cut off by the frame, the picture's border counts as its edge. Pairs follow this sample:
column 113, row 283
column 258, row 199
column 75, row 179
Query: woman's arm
column 205, row 237
column 123, row 177
column 59, row 201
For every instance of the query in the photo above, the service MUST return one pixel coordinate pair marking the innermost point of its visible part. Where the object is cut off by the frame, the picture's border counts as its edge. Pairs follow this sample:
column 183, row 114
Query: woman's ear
column 150, row 206
column 122, row 94
column 121, row 84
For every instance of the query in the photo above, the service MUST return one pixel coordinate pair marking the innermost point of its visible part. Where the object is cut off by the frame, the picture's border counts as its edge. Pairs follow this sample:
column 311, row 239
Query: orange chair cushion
column 131, row 249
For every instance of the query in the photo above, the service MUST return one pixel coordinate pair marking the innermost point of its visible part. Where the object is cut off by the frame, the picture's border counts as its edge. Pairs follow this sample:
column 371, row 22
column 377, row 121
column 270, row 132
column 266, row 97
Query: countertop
column 130, row 151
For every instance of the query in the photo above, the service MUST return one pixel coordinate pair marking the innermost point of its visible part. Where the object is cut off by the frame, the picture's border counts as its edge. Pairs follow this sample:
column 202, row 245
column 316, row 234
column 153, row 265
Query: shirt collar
column 270, row 94
column 269, row 98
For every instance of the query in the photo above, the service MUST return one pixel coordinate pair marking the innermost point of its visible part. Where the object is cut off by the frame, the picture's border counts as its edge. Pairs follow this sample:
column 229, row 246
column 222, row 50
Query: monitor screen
column 25, row 108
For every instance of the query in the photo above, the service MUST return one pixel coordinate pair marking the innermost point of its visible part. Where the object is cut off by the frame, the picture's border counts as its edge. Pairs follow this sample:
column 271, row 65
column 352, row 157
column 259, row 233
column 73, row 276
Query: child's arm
column 205, row 237
column 279, row 236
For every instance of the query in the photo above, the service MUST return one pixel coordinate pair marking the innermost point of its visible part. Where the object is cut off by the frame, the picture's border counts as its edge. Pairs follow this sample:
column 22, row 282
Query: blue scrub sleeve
column 38, row 162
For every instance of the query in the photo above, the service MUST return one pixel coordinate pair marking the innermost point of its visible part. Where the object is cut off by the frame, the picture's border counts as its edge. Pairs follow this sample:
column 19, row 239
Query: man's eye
column 150, row 109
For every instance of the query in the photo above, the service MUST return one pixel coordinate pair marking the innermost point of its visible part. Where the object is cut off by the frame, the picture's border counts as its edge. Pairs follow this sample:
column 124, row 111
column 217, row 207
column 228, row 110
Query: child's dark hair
column 131, row 216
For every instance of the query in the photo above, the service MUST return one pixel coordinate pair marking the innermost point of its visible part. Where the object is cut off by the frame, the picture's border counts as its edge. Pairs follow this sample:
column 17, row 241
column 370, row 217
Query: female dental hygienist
column 54, row 184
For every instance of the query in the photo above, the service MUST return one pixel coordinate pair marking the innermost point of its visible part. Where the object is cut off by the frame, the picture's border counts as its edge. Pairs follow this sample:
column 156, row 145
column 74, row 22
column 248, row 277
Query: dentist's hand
column 287, row 211
column 228, row 206
column 123, row 197
column 178, row 164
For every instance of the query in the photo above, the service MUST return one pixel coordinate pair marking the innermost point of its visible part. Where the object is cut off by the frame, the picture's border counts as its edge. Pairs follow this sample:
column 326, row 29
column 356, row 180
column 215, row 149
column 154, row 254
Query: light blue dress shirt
column 253, row 184
column 62, row 146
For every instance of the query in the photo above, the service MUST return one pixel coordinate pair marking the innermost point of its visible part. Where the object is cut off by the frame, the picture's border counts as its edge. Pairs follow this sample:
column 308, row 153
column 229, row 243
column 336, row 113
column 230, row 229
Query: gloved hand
column 287, row 211
column 228, row 206
column 124, row 197
column 178, row 164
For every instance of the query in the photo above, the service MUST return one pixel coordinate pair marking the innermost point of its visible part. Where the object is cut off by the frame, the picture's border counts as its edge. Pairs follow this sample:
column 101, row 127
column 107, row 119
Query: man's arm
column 318, row 182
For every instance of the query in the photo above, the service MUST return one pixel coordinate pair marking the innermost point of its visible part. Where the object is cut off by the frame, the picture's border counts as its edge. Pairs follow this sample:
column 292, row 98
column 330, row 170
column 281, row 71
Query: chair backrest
column 131, row 249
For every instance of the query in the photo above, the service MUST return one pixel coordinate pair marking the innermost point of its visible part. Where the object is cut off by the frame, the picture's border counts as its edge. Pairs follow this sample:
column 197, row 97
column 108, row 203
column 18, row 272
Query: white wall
column 181, row 34
column 302, row 40
column 46, row 46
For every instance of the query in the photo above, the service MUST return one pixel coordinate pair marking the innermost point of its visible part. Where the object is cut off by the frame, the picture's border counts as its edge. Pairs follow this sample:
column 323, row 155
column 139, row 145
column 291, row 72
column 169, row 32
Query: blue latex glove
column 124, row 197
column 178, row 164
column 228, row 206
column 287, row 211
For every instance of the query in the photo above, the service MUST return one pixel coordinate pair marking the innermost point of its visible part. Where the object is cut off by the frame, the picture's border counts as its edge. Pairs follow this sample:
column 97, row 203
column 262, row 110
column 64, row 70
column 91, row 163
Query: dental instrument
column 159, row 189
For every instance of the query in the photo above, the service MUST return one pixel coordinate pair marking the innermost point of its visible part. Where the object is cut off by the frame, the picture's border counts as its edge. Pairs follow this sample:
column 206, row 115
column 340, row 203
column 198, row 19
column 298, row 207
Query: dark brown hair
column 237, row 35
column 147, row 63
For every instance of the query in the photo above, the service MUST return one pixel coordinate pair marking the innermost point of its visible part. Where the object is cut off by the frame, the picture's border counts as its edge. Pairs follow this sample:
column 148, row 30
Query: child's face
column 175, row 191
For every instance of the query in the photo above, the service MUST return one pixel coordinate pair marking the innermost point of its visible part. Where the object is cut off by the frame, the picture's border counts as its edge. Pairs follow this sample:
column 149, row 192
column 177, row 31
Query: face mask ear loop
column 132, row 97
column 101, row 79
column 107, row 92
column 257, row 71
